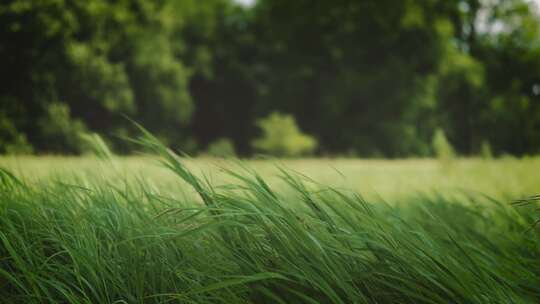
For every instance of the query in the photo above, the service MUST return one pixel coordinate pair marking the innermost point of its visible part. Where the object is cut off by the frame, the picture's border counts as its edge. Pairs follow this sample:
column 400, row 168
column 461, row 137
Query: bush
column 62, row 132
column 485, row 150
column 222, row 147
column 20, row 146
column 282, row 137
column 441, row 146
column 11, row 140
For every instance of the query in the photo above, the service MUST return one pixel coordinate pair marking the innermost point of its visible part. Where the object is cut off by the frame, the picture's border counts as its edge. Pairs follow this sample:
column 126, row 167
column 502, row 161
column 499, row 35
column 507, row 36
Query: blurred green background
column 370, row 78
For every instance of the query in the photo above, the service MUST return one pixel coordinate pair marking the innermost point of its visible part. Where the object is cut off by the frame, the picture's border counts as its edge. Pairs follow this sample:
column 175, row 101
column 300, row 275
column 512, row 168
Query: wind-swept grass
column 97, row 241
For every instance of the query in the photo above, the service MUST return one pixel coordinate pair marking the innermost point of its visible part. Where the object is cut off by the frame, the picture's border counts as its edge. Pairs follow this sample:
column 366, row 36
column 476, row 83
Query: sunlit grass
column 505, row 178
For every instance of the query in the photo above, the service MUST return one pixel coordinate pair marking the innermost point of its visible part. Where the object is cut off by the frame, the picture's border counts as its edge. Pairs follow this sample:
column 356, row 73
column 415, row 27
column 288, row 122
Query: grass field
column 506, row 178
column 127, row 230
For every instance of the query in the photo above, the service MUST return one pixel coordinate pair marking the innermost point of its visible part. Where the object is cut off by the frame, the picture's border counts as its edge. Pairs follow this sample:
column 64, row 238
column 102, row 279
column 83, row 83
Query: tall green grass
column 103, row 241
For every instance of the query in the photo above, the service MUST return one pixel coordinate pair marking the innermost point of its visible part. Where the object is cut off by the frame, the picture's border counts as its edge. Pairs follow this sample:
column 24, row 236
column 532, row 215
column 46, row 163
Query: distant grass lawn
column 505, row 178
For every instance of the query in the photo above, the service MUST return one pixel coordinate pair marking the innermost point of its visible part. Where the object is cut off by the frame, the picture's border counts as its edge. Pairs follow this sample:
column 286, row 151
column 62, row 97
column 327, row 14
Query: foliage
column 19, row 146
column 12, row 141
column 92, row 241
column 441, row 146
column 485, row 150
column 62, row 131
column 374, row 77
column 281, row 137
column 222, row 147
column 101, row 59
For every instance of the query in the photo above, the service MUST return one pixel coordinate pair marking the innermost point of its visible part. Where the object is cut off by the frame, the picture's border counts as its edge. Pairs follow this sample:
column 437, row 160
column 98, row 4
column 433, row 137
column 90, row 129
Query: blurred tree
column 226, row 94
column 99, row 58
column 459, row 94
column 509, row 49
column 360, row 67
column 374, row 77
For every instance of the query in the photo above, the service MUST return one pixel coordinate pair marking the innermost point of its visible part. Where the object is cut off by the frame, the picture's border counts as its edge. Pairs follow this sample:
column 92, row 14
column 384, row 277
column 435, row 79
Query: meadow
column 504, row 178
column 165, row 229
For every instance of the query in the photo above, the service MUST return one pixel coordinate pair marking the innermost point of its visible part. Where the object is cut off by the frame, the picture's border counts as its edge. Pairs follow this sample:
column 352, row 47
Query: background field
column 506, row 178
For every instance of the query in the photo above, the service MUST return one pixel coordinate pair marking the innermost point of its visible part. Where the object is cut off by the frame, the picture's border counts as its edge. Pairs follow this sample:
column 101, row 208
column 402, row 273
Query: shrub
column 441, row 146
column 62, row 132
column 20, row 146
column 222, row 147
column 485, row 150
column 11, row 140
column 282, row 137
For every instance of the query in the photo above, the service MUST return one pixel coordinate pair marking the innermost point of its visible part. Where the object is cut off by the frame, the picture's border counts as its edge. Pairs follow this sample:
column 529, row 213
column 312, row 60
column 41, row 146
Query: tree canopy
column 371, row 77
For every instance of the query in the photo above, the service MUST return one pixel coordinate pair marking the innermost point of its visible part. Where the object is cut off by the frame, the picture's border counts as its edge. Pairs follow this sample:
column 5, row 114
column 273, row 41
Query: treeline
column 368, row 78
